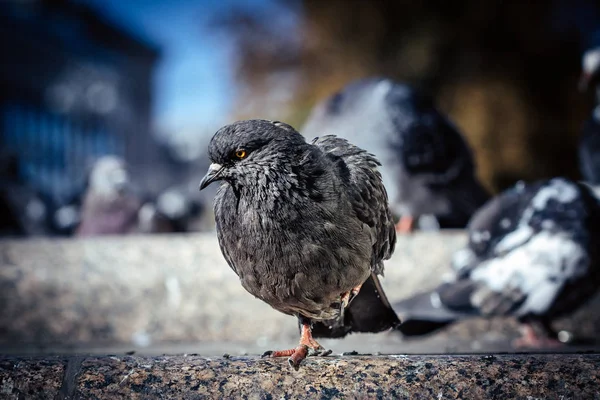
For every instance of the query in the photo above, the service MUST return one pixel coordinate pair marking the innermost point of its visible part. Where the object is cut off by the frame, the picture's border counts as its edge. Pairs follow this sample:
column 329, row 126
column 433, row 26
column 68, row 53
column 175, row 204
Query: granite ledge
column 516, row 376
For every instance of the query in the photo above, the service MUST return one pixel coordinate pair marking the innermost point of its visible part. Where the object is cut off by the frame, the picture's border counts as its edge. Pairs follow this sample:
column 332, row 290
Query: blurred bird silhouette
column 109, row 206
column 172, row 211
column 589, row 144
column 427, row 166
column 532, row 254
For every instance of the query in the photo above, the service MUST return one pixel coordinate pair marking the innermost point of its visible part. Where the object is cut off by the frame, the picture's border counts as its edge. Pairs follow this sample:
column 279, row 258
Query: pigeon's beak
column 213, row 174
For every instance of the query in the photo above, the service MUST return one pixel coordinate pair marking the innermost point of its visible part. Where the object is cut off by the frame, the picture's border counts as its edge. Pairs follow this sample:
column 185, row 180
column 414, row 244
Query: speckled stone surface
column 148, row 292
column 23, row 378
column 363, row 377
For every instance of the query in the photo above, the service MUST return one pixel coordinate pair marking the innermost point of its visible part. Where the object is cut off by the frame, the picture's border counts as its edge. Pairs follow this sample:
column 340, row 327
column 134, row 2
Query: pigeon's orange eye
column 240, row 154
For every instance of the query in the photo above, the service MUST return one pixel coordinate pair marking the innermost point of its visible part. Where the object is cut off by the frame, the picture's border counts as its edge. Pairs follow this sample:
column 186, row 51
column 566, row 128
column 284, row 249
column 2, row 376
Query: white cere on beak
column 214, row 167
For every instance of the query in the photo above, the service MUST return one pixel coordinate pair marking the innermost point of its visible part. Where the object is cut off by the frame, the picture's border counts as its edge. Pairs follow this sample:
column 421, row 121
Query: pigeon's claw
column 347, row 297
column 307, row 347
column 355, row 291
column 315, row 349
column 344, row 300
column 405, row 225
column 278, row 353
column 300, row 354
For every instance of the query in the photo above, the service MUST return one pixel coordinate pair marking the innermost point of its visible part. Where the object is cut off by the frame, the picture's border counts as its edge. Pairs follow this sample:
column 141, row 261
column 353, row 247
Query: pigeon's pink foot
column 405, row 225
column 307, row 346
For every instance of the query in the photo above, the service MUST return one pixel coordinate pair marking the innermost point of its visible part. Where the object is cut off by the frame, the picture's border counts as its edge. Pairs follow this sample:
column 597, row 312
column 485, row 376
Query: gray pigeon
column 589, row 144
column 427, row 166
column 533, row 254
column 108, row 207
column 306, row 227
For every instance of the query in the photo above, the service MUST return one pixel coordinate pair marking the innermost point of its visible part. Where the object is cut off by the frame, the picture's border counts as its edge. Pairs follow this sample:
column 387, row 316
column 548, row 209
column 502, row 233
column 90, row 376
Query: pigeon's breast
column 296, row 258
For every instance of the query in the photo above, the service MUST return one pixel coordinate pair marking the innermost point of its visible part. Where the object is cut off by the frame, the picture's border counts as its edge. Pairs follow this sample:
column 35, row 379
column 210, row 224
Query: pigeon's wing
column 367, row 194
column 589, row 152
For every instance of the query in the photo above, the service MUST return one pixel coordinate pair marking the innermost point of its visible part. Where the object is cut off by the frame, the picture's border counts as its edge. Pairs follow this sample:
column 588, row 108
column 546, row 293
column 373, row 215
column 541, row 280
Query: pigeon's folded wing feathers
column 366, row 193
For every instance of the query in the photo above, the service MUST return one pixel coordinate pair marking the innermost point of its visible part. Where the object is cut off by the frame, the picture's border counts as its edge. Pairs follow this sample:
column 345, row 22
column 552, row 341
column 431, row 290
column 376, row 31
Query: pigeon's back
column 358, row 171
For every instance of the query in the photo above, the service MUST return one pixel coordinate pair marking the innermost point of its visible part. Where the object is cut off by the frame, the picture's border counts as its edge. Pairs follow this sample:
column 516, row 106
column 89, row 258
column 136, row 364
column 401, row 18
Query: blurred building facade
column 73, row 86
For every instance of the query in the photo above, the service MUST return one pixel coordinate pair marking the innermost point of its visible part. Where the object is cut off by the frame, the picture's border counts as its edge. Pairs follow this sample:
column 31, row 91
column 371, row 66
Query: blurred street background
column 150, row 81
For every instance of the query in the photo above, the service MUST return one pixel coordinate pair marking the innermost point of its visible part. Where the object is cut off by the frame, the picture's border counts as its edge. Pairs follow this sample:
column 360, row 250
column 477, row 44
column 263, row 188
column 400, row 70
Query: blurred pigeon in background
column 589, row 145
column 108, row 207
column 427, row 166
column 532, row 254
column 174, row 210
column 306, row 227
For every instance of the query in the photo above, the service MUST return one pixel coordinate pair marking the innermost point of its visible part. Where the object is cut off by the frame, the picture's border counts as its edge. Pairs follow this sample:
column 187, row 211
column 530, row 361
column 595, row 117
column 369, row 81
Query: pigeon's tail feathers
column 423, row 314
column 417, row 327
column 368, row 312
column 371, row 311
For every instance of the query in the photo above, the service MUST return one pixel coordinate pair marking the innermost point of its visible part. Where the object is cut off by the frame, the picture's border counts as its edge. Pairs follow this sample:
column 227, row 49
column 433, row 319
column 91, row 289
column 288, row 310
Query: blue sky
column 193, row 83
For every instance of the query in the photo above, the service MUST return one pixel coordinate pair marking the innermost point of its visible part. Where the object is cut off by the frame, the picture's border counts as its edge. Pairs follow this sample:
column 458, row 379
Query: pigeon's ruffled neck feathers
column 297, row 177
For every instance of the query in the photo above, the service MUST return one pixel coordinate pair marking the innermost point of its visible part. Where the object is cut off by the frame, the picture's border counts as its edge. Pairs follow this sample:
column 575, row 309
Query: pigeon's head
column 246, row 151
column 590, row 65
column 109, row 176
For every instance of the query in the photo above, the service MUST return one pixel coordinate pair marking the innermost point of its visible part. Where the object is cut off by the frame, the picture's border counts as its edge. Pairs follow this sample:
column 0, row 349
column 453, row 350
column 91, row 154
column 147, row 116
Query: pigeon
column 532, row 254
column 171, row 212
column 427, row 166
column 108, row 206
column 305, row 226
column 589, row 144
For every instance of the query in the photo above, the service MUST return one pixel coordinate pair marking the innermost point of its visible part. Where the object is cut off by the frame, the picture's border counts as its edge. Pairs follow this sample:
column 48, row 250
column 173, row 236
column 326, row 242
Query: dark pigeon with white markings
column 426, row 164
column 532, row 254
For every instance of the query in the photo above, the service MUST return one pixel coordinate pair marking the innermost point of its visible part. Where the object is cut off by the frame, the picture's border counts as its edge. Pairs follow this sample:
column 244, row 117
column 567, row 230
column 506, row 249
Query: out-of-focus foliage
column 505, row 72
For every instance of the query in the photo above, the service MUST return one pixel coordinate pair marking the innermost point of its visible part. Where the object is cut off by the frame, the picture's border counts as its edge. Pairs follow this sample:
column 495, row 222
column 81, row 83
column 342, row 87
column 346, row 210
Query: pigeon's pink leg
column 406, row 224
column 532, row 339
column 302, row 351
